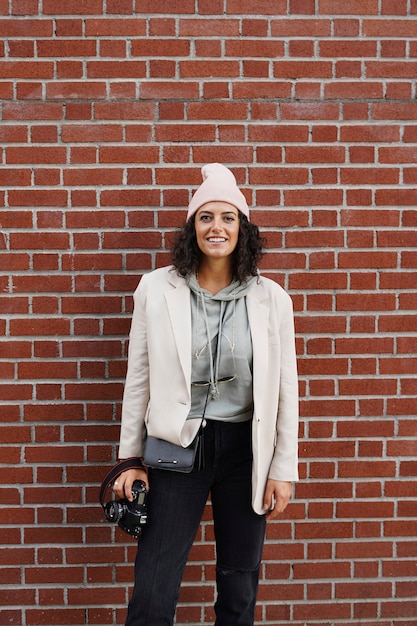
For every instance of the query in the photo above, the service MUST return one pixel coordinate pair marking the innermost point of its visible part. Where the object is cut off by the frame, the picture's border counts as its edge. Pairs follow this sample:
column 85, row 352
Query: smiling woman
column 211, row 355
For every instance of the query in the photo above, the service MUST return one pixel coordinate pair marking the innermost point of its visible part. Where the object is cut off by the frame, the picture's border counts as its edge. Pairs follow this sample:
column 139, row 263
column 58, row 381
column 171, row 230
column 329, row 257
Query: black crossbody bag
column 161, row 454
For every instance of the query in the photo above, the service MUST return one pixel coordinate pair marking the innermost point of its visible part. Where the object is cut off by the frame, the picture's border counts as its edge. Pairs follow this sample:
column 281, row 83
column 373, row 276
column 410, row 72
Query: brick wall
column 109, row 108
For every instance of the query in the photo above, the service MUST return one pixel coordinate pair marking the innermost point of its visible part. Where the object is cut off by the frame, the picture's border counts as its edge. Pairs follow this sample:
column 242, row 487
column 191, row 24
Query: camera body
column 130, row 516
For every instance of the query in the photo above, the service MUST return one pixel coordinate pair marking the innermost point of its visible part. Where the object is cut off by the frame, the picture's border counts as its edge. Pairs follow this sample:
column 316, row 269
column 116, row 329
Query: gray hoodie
column 221, row 353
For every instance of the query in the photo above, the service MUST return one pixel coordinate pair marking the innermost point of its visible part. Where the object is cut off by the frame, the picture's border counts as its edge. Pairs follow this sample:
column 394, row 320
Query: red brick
column 32, row 155
column 263, row 7
column 66, row 48
column 357, row 7
column 162, row 68
column 30, row 284
column 367, row 259
column 302, row 7
column 111, row 48
column 158, row 90
column 138, row 133
column 384, row 111
column 47, row 370
column 15, row 305
column 315, row 197
column 304, row 69
column 38, row 197
column 249, row 90
column 42, row 262
column 69, row 27
column 223, row 154
column 391, row 28
column 185, row 132
column 9, row 597
column 115, row 69
column 380, row 217
column 39, row 241
column 321, row 569
column 409, row 259
column 393, row 48
column 389, row 7
column 129, row 154
column 13, row 134
column 115, row 27
column 21, row 49
column 85, row 133
column 354, row 90
column 79, row 90
column 26, row 28
column 27, row 70
column 47, row 177
column 16, row 219
column 208, row 69
column 315, row 154
column 361, row 197
column 69, row 69
column 72, row 7
column 344, row 49
column 218, row 110
column 370, row 133
column 301, row 27
column 129, row 198
column 278, row 133
column 396, row 197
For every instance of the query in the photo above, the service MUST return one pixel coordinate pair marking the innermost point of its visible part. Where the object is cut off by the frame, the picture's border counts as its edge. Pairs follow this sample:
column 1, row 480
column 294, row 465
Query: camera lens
column 113, row 511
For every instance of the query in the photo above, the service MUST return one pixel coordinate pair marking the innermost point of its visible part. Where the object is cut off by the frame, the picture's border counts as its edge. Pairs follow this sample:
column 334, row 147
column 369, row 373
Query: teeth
column 216, row 239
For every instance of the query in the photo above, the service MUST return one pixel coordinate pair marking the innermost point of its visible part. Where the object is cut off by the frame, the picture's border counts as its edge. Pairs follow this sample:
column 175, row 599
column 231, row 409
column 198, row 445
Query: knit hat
column 219, row 185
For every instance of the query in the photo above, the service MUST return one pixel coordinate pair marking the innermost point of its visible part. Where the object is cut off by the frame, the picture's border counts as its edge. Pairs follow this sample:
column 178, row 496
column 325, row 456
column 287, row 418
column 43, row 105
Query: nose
column 217, row 224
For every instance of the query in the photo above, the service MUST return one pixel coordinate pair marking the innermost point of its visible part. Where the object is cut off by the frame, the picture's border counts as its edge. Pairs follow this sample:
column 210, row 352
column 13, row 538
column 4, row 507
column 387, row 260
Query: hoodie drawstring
column 214, row 372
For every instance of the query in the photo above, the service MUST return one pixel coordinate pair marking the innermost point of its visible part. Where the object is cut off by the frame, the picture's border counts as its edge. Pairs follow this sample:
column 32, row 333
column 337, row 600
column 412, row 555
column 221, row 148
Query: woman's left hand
column 277, row 495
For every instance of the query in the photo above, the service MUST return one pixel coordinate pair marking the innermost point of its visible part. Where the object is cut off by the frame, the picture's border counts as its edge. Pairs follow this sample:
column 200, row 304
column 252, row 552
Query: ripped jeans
column 176, row 503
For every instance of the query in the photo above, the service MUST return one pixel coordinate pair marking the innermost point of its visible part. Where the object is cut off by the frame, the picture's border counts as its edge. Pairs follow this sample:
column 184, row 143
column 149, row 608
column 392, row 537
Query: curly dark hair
column 186, row 254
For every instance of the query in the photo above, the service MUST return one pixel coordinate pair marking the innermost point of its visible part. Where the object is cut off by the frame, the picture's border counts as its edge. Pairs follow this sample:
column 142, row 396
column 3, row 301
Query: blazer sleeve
column 136, row 390
column 284, row 465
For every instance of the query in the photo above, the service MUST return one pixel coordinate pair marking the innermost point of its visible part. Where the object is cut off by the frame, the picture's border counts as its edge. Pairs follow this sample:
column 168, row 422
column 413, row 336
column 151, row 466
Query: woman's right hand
column 122, row 486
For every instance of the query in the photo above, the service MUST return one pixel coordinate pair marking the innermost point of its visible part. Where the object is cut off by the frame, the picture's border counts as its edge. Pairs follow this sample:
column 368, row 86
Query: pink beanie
column 219, row 184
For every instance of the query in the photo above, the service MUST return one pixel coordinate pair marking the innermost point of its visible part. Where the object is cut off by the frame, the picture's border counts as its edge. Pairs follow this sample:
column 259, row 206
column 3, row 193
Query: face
column 217, row 229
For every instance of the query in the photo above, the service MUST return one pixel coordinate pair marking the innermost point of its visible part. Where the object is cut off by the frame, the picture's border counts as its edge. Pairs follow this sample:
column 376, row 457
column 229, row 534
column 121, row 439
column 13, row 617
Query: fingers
column 275, row 512
column 277, row 496
column 122, row 486
column 118, row 486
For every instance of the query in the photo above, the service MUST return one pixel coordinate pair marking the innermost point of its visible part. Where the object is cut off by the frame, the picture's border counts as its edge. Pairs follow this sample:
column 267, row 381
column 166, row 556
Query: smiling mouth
column 216, row 239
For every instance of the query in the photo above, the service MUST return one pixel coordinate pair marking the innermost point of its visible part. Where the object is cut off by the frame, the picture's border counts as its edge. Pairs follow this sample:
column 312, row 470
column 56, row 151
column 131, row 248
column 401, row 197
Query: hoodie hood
column 234, row 291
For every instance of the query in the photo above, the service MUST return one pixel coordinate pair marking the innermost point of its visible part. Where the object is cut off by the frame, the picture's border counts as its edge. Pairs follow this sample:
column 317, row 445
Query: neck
column 214, row 276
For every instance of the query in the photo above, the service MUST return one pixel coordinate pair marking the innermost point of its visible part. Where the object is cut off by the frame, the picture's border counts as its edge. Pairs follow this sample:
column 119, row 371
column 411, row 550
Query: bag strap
column 116, row 470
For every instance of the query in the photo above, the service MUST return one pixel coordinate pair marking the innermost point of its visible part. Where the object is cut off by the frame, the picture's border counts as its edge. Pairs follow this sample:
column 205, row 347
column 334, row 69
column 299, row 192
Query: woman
column 210, row 337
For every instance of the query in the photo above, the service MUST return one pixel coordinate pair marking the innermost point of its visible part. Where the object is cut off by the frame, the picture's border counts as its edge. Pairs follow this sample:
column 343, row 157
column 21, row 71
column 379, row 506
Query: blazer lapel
column 179, row 309
column 258, row 314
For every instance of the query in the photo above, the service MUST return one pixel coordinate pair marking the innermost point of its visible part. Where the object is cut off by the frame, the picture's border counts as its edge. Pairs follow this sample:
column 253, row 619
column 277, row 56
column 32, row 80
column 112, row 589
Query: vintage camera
column 130, row 516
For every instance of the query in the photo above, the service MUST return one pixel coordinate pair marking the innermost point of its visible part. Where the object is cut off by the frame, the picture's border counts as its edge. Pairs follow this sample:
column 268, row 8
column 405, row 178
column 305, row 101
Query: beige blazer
column 157, row 395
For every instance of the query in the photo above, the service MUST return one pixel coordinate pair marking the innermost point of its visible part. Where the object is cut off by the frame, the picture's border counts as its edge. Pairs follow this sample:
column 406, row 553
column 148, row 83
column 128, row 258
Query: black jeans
column 176, row 503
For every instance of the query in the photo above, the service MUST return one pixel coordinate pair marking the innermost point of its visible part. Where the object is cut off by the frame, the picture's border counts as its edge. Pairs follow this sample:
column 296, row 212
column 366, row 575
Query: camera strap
column 116, row 470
